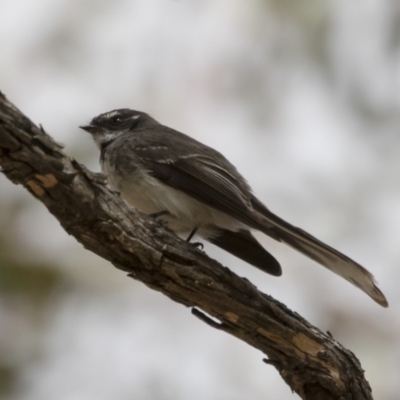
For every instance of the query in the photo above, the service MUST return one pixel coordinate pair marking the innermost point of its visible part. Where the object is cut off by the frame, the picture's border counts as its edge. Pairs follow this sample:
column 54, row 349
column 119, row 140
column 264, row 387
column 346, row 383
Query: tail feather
column 325, row 255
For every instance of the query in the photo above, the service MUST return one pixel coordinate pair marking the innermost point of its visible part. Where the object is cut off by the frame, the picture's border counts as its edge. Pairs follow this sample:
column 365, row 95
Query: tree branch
column 313, row 364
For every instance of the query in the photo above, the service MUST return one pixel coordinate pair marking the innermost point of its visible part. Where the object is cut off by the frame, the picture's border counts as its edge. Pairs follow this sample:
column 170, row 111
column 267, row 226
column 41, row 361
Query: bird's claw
column 199, row 245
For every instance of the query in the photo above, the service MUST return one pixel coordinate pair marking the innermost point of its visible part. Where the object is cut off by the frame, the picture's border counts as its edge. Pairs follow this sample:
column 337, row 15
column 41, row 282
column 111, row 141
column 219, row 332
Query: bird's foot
column 199, row 245
column 196, row 244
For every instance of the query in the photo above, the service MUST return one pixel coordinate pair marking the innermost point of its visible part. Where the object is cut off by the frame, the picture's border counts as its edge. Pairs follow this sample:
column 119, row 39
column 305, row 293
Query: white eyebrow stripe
column 112, row 113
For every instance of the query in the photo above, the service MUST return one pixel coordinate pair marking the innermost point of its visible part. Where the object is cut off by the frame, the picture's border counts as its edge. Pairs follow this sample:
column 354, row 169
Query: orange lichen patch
column 271, row 336
column 306, row 349
column 231, row 317
column 307, row 345
column 38, row 190
column 48, row 180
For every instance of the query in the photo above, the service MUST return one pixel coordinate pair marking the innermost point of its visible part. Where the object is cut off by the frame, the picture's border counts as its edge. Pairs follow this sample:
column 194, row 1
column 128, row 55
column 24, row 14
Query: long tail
column 310, row 246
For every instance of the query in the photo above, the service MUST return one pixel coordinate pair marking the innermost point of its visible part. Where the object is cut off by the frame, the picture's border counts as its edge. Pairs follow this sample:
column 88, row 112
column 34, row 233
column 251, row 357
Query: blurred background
column 303, row 97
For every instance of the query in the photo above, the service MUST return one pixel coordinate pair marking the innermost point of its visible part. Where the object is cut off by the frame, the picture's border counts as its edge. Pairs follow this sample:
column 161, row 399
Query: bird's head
column 108, row 126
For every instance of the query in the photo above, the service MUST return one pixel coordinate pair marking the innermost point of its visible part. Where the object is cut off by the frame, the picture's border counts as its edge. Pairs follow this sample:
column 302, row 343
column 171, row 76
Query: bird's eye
column 116, row 119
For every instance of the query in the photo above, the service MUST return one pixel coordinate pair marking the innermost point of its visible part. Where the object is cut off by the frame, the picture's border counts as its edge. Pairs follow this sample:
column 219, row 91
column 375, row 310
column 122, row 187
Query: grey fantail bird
column 195, row 189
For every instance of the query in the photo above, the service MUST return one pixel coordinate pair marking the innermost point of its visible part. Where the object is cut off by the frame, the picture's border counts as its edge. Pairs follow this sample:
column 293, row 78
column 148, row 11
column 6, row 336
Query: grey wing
column 215, row 182
column 206, row 180
column 193, row 168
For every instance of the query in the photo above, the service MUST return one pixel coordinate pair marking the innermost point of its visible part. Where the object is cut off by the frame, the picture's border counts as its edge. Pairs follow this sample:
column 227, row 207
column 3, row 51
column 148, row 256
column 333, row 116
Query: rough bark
column 312, row 363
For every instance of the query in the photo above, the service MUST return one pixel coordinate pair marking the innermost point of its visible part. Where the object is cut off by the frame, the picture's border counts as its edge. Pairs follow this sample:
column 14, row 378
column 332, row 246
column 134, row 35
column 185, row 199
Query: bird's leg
column 189, row 238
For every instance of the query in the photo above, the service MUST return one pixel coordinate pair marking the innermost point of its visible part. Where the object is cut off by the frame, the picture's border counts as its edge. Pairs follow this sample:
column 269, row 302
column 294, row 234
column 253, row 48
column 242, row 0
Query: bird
column 197, row 191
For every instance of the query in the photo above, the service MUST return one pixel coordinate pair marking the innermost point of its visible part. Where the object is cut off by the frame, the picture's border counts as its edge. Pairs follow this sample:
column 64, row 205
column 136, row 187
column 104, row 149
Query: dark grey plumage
column 159, row 169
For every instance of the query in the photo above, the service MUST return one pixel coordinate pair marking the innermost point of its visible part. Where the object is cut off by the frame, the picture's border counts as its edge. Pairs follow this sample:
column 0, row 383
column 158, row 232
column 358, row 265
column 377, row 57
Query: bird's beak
column 89, row 128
